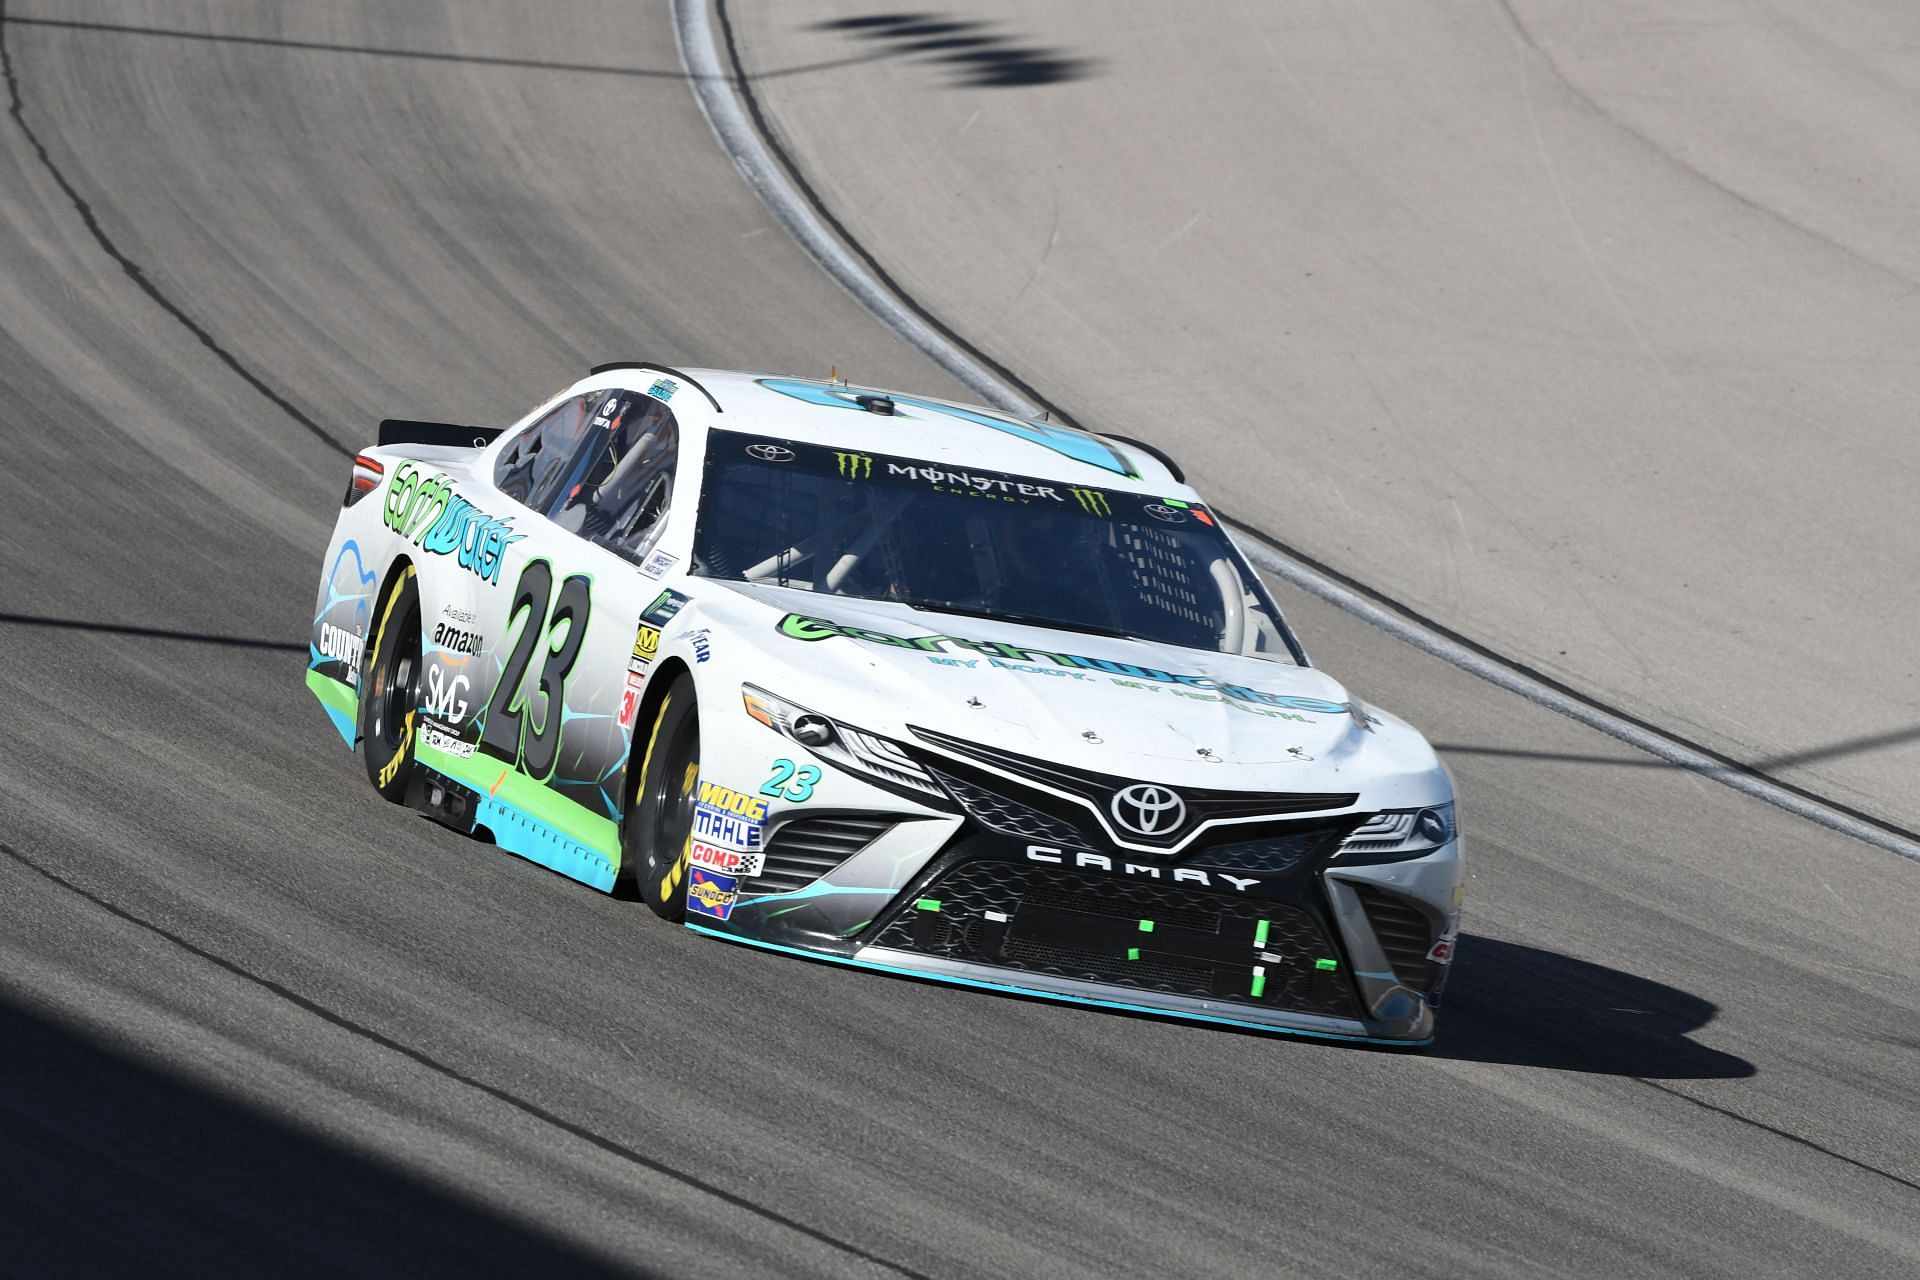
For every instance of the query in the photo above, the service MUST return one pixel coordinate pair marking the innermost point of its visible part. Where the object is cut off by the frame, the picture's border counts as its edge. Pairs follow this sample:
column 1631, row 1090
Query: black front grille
column 1404, row 934
column 1276, row 854
column 1009, row 816
column 1150, row 937
column 804, row 849
column 1098, row 789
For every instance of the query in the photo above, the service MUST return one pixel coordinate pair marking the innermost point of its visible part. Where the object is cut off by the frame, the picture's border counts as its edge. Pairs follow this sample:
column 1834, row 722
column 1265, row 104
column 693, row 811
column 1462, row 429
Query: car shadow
column 980, row 57
column 1517, row 1005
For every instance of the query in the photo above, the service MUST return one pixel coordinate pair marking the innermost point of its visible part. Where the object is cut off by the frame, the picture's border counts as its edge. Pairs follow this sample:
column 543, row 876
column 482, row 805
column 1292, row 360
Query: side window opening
column 619, row 488
column 529, row 465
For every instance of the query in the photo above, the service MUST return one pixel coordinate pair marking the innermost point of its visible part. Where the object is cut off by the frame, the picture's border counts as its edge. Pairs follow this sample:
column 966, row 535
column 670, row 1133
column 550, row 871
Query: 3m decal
column 711, row 894
column 630, row 699
column 791, row 782
column 744, row 863
column 664, row 606
column 717, row 826
column 514, row 729
column 737, row 803
column 428, row 513
column 1082, row 446
column 797, row 626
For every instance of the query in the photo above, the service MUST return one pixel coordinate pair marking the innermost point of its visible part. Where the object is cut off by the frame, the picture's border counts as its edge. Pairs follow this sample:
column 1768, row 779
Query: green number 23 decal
column 510, row 731
column 790, row 782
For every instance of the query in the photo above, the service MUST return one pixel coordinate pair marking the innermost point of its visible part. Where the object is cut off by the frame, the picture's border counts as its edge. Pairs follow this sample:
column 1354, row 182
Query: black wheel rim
column 673, row 794
column 395, row 691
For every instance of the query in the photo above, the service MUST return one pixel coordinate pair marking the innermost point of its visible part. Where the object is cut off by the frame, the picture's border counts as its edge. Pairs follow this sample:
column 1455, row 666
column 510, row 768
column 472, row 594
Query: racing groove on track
column 357, row 999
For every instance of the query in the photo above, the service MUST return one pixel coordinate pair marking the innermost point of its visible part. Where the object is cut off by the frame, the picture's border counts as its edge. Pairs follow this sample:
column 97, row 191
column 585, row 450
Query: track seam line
column 525, row 1107
column 134, row 271
column 726, row 98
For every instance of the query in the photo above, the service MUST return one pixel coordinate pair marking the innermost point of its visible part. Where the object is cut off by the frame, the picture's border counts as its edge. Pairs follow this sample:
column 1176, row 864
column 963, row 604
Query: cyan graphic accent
column 1057, row 996
column 1081, row 446
column 518, row 832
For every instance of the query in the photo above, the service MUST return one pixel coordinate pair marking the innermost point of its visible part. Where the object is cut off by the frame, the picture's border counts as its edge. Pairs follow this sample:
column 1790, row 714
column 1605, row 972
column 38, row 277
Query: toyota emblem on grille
column 1148, row 810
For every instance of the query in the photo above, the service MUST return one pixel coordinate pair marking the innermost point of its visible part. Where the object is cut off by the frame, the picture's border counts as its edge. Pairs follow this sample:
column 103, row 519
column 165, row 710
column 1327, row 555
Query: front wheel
column 390, row 691
column 657, row 838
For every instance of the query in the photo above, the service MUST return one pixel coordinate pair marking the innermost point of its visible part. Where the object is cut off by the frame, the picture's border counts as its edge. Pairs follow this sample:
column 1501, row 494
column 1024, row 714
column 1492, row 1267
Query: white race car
column 890, row 681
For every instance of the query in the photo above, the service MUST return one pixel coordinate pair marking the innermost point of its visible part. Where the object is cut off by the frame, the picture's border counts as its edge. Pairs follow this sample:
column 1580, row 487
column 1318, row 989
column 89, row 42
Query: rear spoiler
column 447, row 435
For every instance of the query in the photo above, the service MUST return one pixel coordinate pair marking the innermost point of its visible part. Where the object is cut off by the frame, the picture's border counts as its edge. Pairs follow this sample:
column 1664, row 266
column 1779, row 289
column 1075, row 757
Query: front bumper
column 1251, row 948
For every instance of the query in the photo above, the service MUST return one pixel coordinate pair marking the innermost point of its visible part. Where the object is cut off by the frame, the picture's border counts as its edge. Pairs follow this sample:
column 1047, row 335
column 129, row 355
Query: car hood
column 1089, row 701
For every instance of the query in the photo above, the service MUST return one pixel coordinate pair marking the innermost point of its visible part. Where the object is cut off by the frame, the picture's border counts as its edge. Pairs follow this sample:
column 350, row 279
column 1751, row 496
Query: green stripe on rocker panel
column 495, row 778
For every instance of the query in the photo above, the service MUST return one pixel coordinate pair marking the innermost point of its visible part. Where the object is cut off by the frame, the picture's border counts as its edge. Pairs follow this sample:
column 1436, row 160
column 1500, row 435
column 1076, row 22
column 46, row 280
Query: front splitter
column 1087, row 994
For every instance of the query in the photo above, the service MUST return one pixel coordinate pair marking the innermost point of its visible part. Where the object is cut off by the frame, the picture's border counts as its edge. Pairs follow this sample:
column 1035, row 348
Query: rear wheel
column 657, row 837
column 390, row 691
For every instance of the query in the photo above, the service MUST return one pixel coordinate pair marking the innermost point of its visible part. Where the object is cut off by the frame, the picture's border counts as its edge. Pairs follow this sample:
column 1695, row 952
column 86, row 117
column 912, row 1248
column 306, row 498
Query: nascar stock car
column 890, row 681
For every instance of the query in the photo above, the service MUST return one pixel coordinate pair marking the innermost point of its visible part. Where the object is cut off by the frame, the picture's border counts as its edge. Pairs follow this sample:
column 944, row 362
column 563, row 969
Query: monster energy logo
column 1092, row 501
column 855, row 466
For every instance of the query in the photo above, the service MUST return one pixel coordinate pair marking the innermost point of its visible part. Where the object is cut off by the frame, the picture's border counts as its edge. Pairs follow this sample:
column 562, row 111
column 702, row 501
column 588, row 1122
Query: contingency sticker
column 711, row 894
column 745, row 864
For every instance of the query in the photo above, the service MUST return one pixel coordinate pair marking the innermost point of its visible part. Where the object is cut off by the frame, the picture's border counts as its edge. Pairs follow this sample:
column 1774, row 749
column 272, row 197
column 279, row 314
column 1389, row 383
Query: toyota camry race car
column 890, row 681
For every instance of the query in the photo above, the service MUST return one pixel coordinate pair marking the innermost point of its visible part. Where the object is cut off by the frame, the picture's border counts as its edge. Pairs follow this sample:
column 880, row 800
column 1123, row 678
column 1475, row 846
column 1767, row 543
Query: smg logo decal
column 797, row 626
column 427, row 512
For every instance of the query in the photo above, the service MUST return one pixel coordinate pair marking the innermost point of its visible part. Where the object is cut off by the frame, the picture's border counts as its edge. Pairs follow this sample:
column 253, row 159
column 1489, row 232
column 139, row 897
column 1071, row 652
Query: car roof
column 818, row 411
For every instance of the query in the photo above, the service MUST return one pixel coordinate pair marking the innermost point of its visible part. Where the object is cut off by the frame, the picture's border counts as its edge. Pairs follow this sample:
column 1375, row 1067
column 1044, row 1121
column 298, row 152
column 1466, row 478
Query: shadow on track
column 110, row 1167
column 982, row 58
column 1522, row 1006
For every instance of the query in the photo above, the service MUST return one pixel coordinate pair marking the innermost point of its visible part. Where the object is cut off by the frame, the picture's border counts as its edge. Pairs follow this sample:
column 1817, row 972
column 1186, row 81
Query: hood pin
column 975, row 702
column 1091, row 736
column 1207, row 753
column 1298, row 753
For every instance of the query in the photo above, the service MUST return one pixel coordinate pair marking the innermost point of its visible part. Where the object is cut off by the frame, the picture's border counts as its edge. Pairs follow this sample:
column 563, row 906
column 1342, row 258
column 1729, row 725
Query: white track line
column 719, row 100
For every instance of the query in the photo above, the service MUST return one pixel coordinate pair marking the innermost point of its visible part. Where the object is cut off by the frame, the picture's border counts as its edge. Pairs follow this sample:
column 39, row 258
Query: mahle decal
column 428, row 513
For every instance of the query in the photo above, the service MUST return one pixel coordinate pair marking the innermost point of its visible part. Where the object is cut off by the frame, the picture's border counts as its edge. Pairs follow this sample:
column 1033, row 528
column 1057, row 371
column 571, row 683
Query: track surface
column 250, row 1019
column 1585, row 329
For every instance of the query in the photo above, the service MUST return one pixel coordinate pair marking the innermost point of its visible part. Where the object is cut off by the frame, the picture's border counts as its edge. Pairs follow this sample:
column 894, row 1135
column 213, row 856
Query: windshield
column 981, row 543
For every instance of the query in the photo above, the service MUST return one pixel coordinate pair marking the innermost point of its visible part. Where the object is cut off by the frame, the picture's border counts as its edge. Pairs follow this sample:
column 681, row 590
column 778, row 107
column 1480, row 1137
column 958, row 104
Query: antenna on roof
column 1046, row 415
column 833, row 376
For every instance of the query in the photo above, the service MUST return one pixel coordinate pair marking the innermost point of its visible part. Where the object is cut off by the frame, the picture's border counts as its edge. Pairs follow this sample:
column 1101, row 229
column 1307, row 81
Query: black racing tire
column 657, row 837
column 390, row 691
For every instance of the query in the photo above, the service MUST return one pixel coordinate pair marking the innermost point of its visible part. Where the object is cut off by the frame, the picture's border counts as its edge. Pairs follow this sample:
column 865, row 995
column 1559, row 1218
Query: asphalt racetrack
column 252, row 1021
